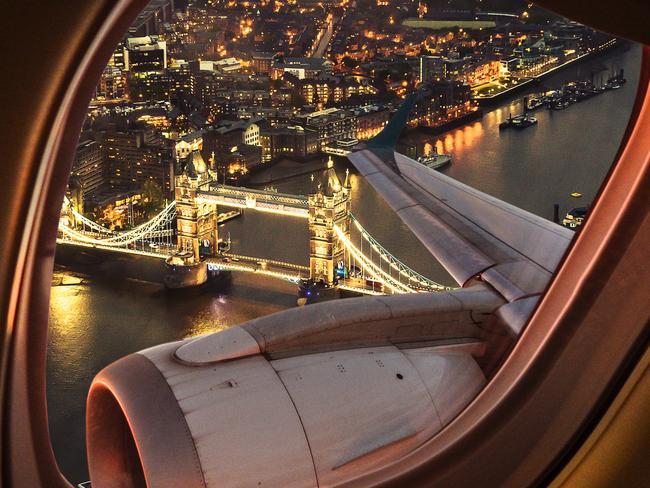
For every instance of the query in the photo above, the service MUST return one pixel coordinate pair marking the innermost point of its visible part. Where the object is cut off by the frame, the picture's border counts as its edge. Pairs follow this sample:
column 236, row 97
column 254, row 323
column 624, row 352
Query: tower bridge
column 185, row 235
column 261, row 200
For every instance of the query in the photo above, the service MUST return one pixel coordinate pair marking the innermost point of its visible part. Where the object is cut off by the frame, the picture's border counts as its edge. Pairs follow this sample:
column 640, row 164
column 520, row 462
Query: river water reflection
column 110, row 307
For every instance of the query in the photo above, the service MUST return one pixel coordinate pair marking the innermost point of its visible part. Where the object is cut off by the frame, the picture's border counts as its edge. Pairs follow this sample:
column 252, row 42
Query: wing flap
column 469, row 232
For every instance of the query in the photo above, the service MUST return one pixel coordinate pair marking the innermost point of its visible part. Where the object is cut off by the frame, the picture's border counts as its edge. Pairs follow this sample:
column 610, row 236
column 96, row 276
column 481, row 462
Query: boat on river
column 518, row 122
column 435, row 160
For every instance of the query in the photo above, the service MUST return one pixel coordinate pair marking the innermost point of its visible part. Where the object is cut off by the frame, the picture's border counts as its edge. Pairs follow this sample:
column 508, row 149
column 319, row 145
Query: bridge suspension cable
column 380, row 275
column 146, row 230
column 415, row 279
column 86, row 222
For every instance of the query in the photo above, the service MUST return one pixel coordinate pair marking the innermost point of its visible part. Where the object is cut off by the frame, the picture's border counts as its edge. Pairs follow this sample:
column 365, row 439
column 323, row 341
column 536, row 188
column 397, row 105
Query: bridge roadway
column 236, row 262
column 261, row 200
column 250, row 264
column 284, row 270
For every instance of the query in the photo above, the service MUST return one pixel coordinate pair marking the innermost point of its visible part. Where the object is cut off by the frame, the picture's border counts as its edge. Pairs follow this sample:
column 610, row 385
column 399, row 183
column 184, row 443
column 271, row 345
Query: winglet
column 387, row 138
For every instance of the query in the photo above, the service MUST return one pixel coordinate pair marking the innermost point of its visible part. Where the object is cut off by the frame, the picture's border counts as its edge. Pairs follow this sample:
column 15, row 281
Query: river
column 109, row 307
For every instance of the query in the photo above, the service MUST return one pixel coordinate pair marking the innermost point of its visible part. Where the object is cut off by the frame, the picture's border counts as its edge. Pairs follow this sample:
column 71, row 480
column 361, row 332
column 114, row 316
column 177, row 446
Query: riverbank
column 536, row 80
column 447, row 126
column 286, row 169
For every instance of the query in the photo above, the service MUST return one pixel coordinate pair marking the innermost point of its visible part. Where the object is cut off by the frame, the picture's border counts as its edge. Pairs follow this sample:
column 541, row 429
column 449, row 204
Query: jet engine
column 306, row 397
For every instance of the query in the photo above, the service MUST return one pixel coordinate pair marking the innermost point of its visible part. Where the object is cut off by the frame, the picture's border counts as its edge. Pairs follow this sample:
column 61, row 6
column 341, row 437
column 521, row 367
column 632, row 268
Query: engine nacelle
column 221, row 410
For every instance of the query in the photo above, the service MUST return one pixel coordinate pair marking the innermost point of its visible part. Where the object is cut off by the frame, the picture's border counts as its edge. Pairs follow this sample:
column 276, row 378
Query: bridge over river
column 185, row 235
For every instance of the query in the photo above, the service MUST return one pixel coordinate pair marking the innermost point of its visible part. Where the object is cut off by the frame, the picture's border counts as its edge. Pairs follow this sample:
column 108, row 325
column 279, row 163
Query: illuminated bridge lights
column 271, row 262
column 143, row 231
column 413, row 276
column 137, row 252
column 154, row 239
column 381, row 276
column 297, row 209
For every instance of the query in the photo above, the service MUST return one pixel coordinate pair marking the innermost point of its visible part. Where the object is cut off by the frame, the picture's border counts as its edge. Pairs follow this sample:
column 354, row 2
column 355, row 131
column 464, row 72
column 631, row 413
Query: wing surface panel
column 469, row 232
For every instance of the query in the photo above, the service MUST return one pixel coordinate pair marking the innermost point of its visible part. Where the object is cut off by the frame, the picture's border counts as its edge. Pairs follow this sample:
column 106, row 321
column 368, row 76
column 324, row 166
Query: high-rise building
column 152, row 17
column 89, row 170
column 112, row 84
column 144, row 56
column 432, row 68
column 145, row 61
column 135, row 156
column 180, row 78
column 449, row 93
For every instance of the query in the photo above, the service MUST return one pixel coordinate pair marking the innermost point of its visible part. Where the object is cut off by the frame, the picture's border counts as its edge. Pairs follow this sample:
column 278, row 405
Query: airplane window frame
column 541, row 362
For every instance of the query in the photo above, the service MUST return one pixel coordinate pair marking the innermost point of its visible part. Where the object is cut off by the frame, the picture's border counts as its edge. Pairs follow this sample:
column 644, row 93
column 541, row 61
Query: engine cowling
column 221, row 410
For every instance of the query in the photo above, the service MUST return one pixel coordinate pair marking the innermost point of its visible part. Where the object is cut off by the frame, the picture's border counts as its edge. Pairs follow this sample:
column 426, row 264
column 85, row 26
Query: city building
column 152, row 17
column 262, row 62
column 432, row 68
column 135, row 156
column 145, row 61
column 294, row 141
column 144, row 56
column 226, row 135
column 89, row 171
column 112, row 85
column 329, row 125
column 301, row 68
column 188, row 144
column 371, row 119
column 447, row 94
column 481, row 72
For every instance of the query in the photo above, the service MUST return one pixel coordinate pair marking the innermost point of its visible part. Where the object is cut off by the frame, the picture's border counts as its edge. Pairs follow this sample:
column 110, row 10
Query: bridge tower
column 196, row 222
column 329, row 205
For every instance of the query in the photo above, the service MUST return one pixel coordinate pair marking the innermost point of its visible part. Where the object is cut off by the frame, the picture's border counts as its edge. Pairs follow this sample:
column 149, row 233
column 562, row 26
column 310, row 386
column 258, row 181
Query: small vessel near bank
column 518, row 122
column 617, row 80
column 536, row 103
column 435, row 160
column 523, row 121
column 577, row 91
column 575, row 217
column 559, row 104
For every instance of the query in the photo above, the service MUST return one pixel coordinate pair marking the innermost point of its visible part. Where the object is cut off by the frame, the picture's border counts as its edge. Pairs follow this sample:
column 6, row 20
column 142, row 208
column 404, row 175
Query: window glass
column 218, row 134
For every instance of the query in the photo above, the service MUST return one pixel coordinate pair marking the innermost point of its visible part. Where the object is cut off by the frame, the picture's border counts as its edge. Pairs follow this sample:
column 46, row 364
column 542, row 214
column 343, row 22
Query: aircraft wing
column 470, row 233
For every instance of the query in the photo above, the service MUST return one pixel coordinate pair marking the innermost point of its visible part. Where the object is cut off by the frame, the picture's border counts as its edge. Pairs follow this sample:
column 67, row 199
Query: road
column 325, row 36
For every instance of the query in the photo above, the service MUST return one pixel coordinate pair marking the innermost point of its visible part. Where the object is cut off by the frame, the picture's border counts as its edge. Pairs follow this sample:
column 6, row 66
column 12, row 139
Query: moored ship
column 435, row 160
column 518, row 122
